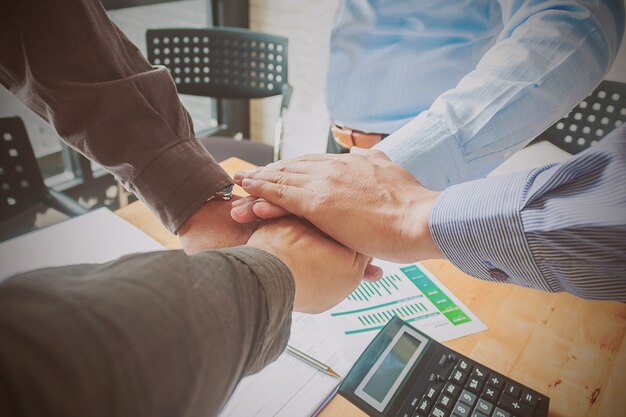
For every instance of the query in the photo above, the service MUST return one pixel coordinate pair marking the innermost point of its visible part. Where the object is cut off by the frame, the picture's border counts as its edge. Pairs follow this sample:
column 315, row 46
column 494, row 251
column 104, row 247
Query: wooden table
column 568, row 348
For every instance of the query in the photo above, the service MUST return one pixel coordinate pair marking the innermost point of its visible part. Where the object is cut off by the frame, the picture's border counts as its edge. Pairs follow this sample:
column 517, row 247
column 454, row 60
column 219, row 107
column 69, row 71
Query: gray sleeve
column 158, row 334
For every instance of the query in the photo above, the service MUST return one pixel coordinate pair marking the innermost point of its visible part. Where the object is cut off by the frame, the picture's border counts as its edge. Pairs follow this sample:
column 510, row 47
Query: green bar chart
column 407, row 293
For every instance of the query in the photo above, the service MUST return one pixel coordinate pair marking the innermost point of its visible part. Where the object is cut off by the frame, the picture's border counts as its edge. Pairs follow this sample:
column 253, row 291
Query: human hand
column 325, row 272
column 362, row 200
column 212, row 227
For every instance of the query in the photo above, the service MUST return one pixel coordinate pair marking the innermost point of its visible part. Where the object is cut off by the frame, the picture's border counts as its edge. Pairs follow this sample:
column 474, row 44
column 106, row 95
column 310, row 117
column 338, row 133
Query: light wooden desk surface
column 570, row 349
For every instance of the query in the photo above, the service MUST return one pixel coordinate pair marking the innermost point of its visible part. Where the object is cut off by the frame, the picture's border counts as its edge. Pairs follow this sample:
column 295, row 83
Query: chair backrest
column 591, row 120
column 21, row 182
column 221, row 62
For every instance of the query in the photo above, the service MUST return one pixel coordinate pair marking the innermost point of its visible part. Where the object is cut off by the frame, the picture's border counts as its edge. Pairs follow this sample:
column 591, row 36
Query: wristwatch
column 224, row 194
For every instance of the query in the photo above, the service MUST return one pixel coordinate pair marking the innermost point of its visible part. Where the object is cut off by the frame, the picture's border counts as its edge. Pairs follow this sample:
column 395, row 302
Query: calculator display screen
column 390, row 369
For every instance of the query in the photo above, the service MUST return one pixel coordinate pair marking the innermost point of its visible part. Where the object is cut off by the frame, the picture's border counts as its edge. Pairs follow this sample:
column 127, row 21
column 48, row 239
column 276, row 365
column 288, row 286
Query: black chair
column 22, row 189
column 591, row 120
column 226, row 63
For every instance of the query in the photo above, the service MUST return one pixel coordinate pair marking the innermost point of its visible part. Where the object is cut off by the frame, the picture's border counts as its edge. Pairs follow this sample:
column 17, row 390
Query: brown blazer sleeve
column 158, row 334
column 70, row 64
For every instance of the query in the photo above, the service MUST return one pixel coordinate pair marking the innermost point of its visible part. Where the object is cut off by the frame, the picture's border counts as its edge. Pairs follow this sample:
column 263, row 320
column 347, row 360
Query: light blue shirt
column 465, row 83
column 557, row 228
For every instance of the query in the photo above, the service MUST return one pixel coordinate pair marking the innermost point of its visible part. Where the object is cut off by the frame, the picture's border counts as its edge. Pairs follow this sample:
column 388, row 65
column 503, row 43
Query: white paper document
column 96, row 237
column 290, row 387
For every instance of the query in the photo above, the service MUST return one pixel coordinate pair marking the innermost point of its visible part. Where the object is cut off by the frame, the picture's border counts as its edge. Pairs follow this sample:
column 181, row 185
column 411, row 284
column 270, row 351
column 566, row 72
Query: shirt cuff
column 177, row 182
column 280, row 290
column 478, row 227
column 421, row 145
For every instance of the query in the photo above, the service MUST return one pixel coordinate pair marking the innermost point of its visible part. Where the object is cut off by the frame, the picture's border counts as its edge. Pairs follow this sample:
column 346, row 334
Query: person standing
column 457, row 86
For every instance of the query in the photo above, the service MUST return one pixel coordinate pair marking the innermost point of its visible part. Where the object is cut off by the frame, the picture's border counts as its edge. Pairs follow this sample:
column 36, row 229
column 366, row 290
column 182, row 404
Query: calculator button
column 414, row 402
column 513, row 389
column 431, row 393
column 445, row 401
column 464, row 365
column 496, row 381
column 438, row 412
column 479, row 373
column 458, row 376
column 490, row 393
column 435, row 377
column 484, row 406
column 424, row 405
column 530, row 398
column 467, row 398
column 461, row 410
column 477, row 414
column 515, row 406
column 452, row 389
column 474, row 385
column 500, row 413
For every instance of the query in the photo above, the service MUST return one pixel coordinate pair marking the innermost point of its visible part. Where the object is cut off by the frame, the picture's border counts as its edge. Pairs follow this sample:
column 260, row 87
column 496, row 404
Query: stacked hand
column 325, row 272
column 362, row 200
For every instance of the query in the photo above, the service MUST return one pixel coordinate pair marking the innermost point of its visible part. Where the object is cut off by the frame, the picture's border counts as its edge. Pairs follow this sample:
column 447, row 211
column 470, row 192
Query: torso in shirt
column 390, row 59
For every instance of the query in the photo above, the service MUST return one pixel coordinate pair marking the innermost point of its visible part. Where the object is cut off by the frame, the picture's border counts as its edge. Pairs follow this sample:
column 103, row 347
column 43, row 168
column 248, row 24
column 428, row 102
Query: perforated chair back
column 591, row 120
column 21, row 182
column 221, row 62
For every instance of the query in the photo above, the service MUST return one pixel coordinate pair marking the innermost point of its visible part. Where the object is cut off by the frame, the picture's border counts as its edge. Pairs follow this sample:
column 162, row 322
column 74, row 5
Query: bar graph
column 368, row 290
column 406, row 292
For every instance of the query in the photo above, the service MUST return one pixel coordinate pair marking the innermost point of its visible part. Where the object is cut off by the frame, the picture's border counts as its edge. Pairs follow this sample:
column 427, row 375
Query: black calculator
column 404, row 373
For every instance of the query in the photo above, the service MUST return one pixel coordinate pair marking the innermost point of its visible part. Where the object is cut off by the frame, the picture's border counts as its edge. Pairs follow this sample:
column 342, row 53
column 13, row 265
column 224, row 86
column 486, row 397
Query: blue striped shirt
column 561, row 227
column 462, row 84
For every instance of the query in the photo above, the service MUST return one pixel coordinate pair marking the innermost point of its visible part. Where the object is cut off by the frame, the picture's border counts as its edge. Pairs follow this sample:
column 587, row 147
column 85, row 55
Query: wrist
column 422, row 244
column 211, row 206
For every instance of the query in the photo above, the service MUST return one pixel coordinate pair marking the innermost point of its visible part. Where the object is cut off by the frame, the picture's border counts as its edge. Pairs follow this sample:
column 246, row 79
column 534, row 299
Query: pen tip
column 333, row 373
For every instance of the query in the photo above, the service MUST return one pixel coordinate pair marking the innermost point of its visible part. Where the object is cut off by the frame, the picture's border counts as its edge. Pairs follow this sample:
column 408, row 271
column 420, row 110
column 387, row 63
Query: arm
column 556, row 228
column 162, row 334
column 150, row 334
column 70, row 64
column 548, row 57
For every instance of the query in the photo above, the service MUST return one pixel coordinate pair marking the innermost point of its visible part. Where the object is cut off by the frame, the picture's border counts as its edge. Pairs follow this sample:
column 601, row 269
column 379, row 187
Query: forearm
column 556, row 228
column 548, row 57
column 70, row 64
column 157, row 334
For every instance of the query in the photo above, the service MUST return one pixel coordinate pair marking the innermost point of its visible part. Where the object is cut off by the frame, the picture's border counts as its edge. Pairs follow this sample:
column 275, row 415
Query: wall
column 307, row 24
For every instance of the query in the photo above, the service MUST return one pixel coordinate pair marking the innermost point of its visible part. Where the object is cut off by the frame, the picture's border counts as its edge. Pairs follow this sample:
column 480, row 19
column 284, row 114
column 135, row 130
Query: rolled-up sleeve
column 556, row 228
column 70, row 64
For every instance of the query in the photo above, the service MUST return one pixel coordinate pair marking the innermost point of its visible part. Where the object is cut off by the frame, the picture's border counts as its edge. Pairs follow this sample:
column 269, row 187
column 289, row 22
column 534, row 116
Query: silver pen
column 312, row 361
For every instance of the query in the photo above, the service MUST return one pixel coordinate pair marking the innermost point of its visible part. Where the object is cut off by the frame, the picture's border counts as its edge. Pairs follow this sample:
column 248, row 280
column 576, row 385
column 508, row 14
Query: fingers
column 372, row 273
column 243, row 212
column 266, row 210
column 250, row 209
column 277, row 177
column 308, row 164
column 291, row 199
